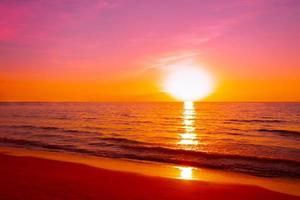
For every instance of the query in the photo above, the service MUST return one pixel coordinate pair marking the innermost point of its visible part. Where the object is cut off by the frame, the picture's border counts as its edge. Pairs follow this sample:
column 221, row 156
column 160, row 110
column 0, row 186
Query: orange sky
column 102, row 50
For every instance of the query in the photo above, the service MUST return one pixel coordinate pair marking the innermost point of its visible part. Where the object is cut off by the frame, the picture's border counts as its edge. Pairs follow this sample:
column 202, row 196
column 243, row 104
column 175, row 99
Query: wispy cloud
column 175, row 60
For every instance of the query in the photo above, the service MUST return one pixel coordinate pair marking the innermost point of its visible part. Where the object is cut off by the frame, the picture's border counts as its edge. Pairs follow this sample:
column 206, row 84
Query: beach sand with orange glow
column 24, row 177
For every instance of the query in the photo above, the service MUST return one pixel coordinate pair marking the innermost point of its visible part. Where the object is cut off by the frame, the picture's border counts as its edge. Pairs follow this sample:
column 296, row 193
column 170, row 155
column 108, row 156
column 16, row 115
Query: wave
column 199, row 154
column 130, row 149
column 89, row 118
column 61, row 118
column 255, row 120
column 23, row 142
column 120, row 140
column 267, row 167
column 281, row 132
column 97, row 128
column 47, row 128
column 32, row 127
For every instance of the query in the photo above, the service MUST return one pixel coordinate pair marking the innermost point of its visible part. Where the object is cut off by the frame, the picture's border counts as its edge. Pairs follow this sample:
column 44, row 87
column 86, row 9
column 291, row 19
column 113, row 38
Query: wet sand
column 25, row 177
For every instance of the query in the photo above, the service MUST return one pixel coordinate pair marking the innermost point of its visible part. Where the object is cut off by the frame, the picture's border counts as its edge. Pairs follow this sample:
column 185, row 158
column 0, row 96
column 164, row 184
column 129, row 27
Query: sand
column 37, row 178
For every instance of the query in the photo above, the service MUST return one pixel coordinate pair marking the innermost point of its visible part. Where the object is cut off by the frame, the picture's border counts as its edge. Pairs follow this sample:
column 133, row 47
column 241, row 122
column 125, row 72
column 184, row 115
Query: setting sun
column 188, row 84
column 149, row 99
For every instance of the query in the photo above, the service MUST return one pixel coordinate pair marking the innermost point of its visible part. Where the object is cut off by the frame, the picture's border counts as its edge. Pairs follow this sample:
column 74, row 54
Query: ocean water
column 262, row 139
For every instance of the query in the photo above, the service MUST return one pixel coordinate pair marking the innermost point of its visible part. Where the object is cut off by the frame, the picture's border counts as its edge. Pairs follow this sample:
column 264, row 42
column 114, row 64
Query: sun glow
column 189, row 83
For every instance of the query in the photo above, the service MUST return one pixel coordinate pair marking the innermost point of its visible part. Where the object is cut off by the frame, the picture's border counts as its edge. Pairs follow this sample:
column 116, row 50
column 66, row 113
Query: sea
column 260, row 139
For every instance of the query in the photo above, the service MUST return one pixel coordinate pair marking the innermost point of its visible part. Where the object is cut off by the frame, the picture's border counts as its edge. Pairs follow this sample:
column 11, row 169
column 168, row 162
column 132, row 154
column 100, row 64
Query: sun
column 188, row 83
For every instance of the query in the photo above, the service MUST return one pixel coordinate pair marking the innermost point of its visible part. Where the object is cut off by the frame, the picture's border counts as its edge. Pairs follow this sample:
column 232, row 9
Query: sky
column 118, row 50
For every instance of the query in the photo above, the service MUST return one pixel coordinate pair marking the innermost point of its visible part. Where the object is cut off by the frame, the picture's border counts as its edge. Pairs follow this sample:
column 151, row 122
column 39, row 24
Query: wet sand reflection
column 185, row 173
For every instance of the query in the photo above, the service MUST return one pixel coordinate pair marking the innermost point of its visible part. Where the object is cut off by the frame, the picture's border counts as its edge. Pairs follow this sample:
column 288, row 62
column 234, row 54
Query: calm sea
column 261, row 139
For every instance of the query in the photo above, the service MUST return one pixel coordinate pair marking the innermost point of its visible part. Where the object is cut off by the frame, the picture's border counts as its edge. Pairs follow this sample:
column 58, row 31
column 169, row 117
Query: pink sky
column 100, row 46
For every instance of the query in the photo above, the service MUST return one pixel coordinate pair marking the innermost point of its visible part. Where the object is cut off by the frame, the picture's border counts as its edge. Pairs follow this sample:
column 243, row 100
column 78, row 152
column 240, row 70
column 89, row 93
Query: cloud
column 175, row 60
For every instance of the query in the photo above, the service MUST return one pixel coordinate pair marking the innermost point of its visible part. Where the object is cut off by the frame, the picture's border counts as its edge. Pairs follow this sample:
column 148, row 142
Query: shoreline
column 38, row 178
column 151, row 171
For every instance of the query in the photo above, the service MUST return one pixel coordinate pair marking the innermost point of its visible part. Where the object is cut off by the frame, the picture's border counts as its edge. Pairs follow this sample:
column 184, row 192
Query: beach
column 34, row 177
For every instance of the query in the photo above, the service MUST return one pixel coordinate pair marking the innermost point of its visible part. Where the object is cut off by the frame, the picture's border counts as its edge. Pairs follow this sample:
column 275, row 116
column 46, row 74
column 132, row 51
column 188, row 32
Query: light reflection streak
column 189, row 137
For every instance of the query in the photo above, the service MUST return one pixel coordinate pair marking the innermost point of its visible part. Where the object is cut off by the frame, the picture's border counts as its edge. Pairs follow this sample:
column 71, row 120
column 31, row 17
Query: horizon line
column 148, row 101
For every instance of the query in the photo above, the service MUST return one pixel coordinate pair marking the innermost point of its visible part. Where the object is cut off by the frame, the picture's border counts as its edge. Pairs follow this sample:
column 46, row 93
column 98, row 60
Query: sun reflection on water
column 189, row 137
column 188, row 105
